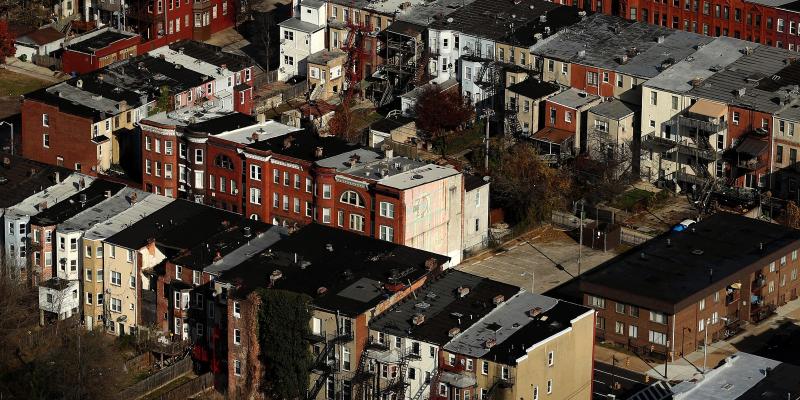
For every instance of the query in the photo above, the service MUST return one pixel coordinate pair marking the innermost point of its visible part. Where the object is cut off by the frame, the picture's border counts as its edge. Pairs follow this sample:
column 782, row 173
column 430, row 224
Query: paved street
column 606, row 375
column 549, row 254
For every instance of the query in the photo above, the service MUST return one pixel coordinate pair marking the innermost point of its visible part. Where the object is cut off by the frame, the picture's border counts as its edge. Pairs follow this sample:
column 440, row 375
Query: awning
column 752, row 146
column 708, row 108
column 737, row 286
column 460, row 381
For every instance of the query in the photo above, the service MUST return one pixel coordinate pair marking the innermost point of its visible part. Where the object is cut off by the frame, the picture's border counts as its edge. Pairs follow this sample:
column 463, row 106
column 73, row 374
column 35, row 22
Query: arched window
column 223, row 161
column 351, row 197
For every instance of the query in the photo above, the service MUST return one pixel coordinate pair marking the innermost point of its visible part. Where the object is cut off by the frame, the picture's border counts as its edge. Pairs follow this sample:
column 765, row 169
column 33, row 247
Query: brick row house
column 291, row 177
column 664, row 297
column 161, row 22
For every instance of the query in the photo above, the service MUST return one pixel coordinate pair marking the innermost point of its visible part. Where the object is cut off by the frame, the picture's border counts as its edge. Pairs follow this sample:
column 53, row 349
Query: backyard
column 14, row 84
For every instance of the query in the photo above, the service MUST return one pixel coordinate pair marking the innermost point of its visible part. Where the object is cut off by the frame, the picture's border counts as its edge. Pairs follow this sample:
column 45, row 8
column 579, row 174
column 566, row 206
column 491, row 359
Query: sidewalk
column 691, row 365
column 34, row 71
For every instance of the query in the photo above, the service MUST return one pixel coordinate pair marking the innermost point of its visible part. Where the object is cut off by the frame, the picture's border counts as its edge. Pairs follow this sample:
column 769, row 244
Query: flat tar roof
column 671, row 270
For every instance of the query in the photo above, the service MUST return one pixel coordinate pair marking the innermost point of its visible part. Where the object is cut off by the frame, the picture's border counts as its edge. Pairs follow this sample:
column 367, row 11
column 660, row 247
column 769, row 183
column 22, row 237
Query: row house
column 161, row 22
column 350, row 278
column 524, row 105
column 88, row 122
column 17, row 220
column 682, row 136
column 664, row 298
column 65, row 223
column 477, row 48
column 610, row 57
column 565, row 122
column 530, row 346
column 286, row 176
column 402, row 355
column 97, row 49
column 229, row 77
column 96, row 311
column 23, row 178
column 188, row 305
column 748, row 94
column 132, row 256
column 301, row 36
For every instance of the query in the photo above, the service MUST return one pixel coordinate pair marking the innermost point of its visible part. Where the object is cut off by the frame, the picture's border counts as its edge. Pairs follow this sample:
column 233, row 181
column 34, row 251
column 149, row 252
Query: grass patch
column 460, row 141
column 364, row 117
column 637, row 199
column 14, row 84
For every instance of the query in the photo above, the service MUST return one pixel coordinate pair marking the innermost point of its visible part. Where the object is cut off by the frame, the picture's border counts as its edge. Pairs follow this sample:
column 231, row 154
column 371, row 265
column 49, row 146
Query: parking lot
column 547, row 254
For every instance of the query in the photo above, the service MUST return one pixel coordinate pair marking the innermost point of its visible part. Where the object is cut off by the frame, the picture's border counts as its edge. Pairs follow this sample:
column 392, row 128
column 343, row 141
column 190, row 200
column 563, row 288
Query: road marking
column 615, row 376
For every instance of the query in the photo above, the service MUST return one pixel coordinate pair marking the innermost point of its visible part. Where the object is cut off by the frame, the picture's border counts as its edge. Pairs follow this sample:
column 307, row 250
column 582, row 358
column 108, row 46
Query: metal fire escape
column 489, row 77
column 398, row 384
column 353, row 46
column 400, row 70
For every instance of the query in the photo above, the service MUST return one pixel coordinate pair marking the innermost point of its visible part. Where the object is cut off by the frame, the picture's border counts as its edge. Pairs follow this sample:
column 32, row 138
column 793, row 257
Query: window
column 255, row 172
column 352, row 198
column 504, row 373
column 597, row 302
column 296, row 181
column 237, row 309
column 346, row 359
column 551, row 358
column 535, row 393
column 356, row 222
column 619, row 80
column 116, row 278
column 735, row 118
column 658, row 317
column 129, row 255
column 326, row 215
column 658, row 338
column 780, row 25
column 568, row 116
column 485, row 367
column 46, row 140
column 387, row 233
column 619, row 328
column 45, row 120
column 387, row 210
column 285, row 178
column 237, row 336
column 196, row 275
column 309, row 185
column 564, row 68
column 633, row 331
column 591, row 78
column 116, row 305
column 276, row 176
column 198, row 156
column 653, row 98
column 168, row 147
column 326, row 191
column 551, row 65
column 549, row 386
column 702, row 304
column 600, row 323
column 620, row 308
column 255, row 195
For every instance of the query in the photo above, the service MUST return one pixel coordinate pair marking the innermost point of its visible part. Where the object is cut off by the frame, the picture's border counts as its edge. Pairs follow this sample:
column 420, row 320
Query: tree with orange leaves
column 440, row 113
column 7, row 48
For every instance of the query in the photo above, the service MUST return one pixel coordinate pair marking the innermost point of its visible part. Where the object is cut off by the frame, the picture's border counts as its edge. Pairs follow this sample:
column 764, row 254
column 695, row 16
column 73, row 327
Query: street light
column 12, row 134
column 705, row 342
column 532, row 278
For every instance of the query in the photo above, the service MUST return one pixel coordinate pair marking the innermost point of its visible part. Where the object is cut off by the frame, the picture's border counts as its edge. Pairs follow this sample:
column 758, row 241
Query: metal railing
column 158, row 379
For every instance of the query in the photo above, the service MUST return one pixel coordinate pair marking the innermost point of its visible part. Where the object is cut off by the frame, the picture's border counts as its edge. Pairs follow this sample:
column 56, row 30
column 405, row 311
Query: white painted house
column 301, row 36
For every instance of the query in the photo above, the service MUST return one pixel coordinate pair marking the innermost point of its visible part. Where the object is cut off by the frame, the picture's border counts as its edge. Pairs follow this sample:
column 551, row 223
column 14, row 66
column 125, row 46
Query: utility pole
column 580, row 240
column 487, row 114
column 705, row 345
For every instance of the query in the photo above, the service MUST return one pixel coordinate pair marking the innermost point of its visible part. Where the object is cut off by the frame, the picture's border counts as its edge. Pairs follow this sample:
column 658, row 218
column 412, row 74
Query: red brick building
column 660, row 298
column 161, row 22
column 97, row 49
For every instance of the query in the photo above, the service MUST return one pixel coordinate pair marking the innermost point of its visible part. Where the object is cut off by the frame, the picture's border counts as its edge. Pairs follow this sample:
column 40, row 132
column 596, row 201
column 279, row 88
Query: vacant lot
column 14, row 84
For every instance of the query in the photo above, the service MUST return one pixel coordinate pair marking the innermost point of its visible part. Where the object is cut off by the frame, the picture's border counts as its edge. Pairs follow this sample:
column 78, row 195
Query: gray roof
column 123, row 200
column 49, row 196
column 341, row 161
column 509, row 316
column 612, row 109
column 298, row 25
column 325, row 55
column 252, row 247
column 124, row 219
column 702, row 64
column 740, row 372
column 312, row 3
column 422, row 12
column 748, row 72
column 573, row 98
column 418, row 176
column 605, row 38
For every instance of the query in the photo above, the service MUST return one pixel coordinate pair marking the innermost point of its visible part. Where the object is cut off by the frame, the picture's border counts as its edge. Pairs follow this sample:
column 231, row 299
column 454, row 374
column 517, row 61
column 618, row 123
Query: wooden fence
column 191, row 388
column 157, row 380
